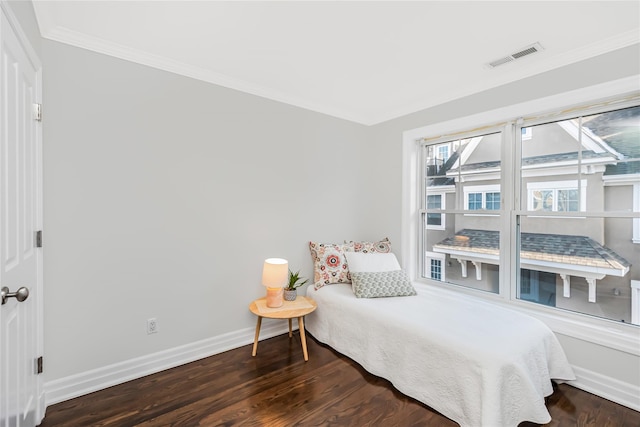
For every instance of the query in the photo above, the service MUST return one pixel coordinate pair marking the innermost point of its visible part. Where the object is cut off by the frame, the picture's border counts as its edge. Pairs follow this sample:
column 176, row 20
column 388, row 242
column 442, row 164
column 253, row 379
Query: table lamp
column 274, row 277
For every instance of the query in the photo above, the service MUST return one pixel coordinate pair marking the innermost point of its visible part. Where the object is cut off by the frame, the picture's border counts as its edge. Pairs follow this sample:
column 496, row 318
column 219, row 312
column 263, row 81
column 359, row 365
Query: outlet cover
column 152, row 326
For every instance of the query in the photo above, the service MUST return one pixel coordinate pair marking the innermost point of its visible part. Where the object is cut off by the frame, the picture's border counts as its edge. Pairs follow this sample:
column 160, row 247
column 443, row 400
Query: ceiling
column 366, row 62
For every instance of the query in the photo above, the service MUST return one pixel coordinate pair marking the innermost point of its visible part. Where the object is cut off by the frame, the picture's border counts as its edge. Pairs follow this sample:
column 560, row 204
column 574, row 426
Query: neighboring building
column 581, row 263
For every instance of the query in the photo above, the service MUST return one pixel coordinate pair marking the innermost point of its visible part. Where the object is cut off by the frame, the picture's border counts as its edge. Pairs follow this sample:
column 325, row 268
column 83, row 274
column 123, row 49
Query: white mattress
column 474, row 362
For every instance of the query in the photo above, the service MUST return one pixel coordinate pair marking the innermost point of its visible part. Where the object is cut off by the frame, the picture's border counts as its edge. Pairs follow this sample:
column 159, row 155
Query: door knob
column 21, row 294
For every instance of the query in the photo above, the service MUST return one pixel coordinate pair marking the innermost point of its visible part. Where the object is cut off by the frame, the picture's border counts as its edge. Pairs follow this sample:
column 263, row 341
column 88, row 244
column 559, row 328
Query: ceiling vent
column 536, row 47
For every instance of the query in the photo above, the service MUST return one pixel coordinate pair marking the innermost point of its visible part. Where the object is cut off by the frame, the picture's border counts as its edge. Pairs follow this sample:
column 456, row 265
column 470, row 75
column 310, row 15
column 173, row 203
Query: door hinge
column 39, row 368
column 37, row 112
column 39, row 239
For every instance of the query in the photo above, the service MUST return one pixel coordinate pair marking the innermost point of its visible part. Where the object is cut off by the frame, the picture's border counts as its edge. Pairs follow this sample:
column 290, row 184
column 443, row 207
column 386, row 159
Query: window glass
column 580, row 263
column 567, row 200
column 469, row 246
column 475, row 201
column 434, row 220
column 443, row 153
column 436, row 269
column 493, row 201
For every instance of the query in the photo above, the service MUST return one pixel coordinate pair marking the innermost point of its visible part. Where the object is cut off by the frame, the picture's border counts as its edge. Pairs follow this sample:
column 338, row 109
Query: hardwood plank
column 278, row 388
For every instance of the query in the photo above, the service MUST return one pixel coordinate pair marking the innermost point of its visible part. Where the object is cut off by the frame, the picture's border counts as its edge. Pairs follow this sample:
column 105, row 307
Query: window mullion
column 507, row 193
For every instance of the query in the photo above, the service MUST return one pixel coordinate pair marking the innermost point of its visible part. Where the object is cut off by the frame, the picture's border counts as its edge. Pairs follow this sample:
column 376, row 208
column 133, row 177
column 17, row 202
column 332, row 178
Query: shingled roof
column 556, row 248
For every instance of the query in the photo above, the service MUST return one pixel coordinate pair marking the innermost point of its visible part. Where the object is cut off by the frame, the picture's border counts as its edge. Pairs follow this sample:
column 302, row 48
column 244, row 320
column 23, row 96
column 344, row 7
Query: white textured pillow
column 375, row 275
column 371, row 262
column 368, row 284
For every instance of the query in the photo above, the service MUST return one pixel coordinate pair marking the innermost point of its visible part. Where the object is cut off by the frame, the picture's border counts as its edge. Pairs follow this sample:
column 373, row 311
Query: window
column 437, row 157
column 492, row 201
column 621, row 211
column 434, row 263
column 588, row 260
column 560, row 196
column 555, row 168
column 474, row 201
column 436, row 269
column 435, row 220
column 443, row 152
column 538, row 286
column 472, row 245
column 485, row 197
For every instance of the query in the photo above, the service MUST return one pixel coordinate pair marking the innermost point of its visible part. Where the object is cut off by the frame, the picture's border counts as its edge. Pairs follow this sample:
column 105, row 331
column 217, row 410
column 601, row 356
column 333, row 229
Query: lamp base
column 274, row 297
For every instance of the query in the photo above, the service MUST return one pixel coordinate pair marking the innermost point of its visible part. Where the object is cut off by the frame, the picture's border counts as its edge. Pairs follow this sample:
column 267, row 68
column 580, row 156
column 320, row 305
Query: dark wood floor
column 277, row 388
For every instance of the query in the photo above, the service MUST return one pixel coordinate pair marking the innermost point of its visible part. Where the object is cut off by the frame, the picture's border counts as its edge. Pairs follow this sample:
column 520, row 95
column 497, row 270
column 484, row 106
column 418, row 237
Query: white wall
column 163, row 196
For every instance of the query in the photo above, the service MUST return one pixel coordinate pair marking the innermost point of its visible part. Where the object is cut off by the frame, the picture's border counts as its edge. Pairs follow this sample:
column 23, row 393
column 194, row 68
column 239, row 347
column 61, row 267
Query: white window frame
column 611, row 334
column 555, row 186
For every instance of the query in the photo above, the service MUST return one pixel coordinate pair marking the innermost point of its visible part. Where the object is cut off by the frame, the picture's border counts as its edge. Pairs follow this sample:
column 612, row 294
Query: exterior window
column 475, row 201
column 434, row 201
column 493, row 201
column 562, row 196
column 485, row 197
column 434, row 265
column 437, row 157
column 443, row 153
column 538, row 286
column 436, row 269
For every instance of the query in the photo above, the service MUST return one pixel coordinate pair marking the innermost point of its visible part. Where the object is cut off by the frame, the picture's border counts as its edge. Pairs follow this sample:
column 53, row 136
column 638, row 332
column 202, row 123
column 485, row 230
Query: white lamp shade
column 275, row 272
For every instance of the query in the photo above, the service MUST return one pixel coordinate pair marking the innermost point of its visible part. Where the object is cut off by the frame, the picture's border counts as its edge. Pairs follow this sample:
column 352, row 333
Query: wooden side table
column 290, row 309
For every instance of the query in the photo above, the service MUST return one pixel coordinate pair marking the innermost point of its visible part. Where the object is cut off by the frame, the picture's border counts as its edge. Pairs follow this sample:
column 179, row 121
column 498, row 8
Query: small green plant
column 294, row 278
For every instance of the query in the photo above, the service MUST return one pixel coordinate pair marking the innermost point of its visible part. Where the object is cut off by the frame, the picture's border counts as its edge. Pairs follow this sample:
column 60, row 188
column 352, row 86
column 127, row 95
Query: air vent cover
column 536, row 47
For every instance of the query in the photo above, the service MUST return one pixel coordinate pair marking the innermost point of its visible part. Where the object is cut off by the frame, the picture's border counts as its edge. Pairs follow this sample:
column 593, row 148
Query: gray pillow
column 395, row 283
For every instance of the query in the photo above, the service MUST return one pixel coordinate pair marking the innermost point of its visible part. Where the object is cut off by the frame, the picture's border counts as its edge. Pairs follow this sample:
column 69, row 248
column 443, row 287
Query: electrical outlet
column 152, row 326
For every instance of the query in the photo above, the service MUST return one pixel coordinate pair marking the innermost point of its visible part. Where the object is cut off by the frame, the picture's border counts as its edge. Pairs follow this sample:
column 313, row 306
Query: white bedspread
column 476, row 363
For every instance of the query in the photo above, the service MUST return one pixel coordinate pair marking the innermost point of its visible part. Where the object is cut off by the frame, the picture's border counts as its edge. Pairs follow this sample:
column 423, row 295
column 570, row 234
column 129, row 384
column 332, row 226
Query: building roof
column 618, row 132
column 535, row 160
column 620, row 129
column 552, row 248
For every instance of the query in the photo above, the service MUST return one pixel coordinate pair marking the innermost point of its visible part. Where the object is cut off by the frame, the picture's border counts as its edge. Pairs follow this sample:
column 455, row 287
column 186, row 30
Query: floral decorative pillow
column 383, row 246
column 329, row 264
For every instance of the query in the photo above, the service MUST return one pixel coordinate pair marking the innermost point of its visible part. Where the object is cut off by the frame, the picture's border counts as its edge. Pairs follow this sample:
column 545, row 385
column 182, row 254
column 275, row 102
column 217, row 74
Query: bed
column 476, row 363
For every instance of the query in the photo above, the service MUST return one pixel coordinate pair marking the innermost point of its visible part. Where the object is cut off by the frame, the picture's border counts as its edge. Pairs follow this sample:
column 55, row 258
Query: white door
column 21, row 399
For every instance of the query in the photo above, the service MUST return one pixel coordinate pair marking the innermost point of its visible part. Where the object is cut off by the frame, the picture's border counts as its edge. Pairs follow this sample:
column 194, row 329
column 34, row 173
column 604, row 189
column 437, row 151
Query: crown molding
column 98, row 45
column 530, row 68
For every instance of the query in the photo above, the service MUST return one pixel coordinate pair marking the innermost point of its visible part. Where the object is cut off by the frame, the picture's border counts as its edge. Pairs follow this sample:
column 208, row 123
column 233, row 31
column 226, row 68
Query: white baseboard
column 608, row 388
column 87, row 382
column 97, row 379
